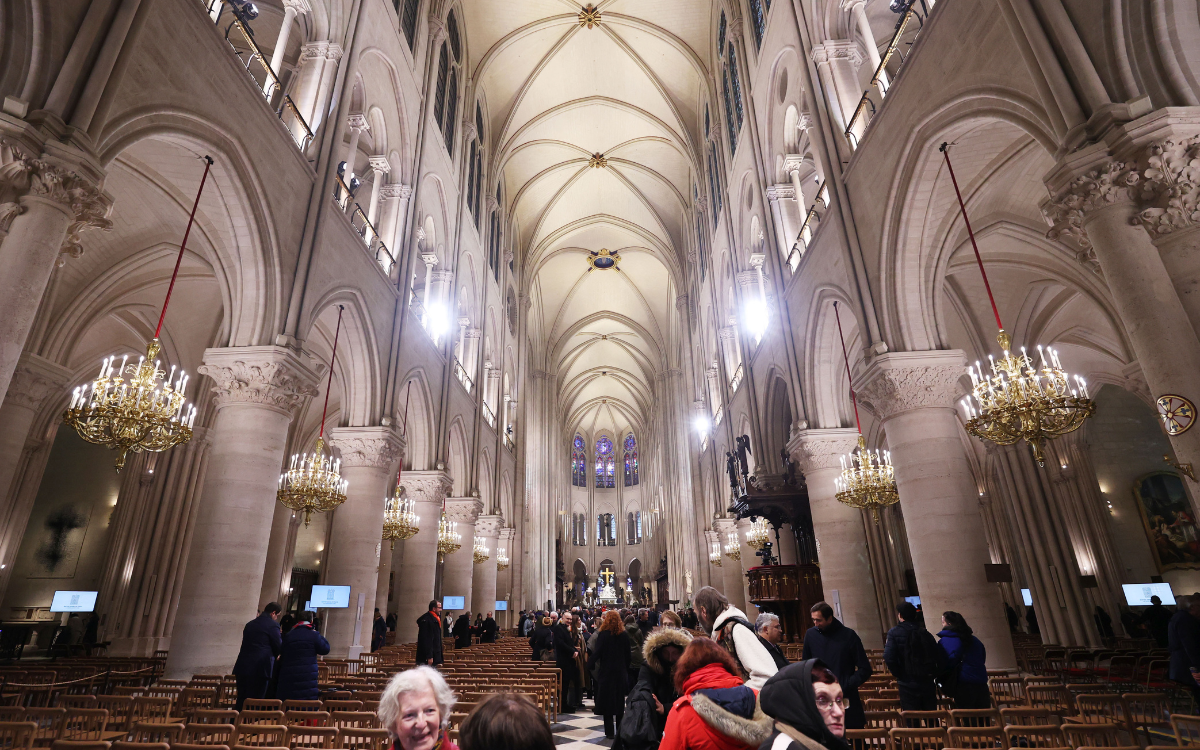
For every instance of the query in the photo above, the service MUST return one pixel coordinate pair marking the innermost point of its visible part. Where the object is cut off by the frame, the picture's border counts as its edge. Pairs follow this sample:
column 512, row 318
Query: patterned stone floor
column 580, row 731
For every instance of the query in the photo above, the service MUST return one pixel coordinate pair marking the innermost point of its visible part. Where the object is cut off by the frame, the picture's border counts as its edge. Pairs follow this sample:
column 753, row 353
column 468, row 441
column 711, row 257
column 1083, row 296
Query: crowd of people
column 703, row 678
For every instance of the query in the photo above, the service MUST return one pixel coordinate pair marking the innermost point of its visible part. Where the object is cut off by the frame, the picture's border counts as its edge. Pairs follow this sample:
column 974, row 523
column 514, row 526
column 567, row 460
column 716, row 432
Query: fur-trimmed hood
column 753, row 731
column 660, row 638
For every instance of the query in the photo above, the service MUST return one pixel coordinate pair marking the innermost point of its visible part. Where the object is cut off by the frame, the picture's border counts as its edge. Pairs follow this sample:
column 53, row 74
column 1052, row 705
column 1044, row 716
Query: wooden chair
column 869, row 739
column 294, row 705
column 208, row 734
column 925, row 719
column 974, row 717
column 17, row 735
column 306, row 718
column 1025, row 716
column 881, row 704
column 149, row 709
column 362, row 738
column 185, row 746
column 76, row 701
column 1093, row 735
column 140, row 746
column 1054, row 698
column 1035, row 736
column 978, row 738
column 881, row 719
column 84, row 724
column 81, row 745
column 260, row 735
column 314, row 737
column 274, row 718
column 120, row 711
column 1187, row 729
column 342, row 705
column 923, row 738
column 1095, row 708
column 49, row 723
column 12, row 713
column 356, row 719
column 156, row 732
column 1151, row 713
column 262, row 704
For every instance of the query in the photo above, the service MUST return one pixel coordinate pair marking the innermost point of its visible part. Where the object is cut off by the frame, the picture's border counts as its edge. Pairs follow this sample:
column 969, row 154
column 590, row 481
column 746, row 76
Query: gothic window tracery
column 578, row 463
column 606, row 464
column 631, row 461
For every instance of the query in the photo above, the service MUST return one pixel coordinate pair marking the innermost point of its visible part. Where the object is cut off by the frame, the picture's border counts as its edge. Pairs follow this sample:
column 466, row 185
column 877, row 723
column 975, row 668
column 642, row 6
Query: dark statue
column 743, row 449
column 731, row 466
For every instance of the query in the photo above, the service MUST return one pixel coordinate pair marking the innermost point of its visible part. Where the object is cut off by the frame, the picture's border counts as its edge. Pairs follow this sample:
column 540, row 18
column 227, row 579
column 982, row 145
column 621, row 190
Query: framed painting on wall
column 1170, row 524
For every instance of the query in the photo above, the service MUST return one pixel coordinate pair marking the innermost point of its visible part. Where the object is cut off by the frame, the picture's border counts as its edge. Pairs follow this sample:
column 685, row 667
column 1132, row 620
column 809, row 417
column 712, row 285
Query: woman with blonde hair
column 415, row 709
column 611, row 660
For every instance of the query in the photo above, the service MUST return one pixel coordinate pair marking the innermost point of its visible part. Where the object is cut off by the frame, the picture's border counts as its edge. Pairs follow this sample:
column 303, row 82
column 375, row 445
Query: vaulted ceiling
column 554, row 94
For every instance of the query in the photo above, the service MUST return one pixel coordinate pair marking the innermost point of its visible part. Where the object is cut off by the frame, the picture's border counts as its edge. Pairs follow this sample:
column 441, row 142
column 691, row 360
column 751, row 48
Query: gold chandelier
column 449, row 540
column 313, row 482
column 759, row 534
column 714, row 554
column 400, row 520
column 868, row 481
column 1019, row 401
column 479, row 552
column 733, row 547
column 138, row 407
column 502, row 560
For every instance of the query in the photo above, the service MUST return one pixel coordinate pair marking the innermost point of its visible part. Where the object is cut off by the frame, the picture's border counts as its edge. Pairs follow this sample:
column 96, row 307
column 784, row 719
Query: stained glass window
column 578, row 463
column 631, row 461
column 760, row 21
column 606, row 463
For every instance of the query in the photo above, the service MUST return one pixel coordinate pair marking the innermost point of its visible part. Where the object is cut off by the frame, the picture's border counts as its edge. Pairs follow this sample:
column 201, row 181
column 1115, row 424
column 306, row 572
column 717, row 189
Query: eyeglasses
column 825, row 704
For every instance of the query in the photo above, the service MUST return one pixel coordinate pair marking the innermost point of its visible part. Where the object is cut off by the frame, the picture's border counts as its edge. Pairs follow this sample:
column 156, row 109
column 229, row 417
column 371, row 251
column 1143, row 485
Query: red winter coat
column 723, row 715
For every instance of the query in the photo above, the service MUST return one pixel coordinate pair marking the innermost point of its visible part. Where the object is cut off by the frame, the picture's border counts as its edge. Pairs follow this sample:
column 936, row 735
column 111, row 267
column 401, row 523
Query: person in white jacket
column 729, row 627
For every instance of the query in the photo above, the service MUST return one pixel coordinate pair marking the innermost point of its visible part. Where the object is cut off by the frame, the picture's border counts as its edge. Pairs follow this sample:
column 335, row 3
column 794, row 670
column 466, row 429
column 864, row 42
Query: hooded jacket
column 748, row 650
column 716, row 712
column 790, row 700
column 642, row 726
column 969, row 651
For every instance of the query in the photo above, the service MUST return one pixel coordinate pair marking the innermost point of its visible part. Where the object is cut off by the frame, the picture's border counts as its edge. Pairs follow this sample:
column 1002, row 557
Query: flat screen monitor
column 913, row 600
column 454, row 602
column 330, row 597
column 1027, row 597
column 73, row 601
column 1138, row 594
column 501, row 606
column 308, row 606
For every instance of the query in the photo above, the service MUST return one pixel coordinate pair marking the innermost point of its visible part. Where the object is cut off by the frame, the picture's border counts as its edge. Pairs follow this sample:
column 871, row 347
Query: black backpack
column 921, row 657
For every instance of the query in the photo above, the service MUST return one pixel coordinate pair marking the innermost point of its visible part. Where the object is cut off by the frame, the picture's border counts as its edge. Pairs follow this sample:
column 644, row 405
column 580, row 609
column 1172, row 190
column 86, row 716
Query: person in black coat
column 488, row 630
column 840, row 649
column 911, row 655
column 565, row 655
column 298, row 661
column 654, row 692
column 541, row 640
column 1183, row 635
column 1156, row 617
column 462, row 631
column 611, row 662
column 429, row 635
column 261, row 643
column 378, row 631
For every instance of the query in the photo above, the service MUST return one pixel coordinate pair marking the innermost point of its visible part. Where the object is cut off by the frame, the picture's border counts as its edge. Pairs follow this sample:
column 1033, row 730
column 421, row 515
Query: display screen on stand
column 330, row 597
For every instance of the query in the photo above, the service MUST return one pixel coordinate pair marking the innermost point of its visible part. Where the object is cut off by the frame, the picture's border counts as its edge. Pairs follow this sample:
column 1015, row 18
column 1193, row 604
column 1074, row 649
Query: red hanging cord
column 945, row 149
column 846, row 359
column 333, row 358
column 208, row 162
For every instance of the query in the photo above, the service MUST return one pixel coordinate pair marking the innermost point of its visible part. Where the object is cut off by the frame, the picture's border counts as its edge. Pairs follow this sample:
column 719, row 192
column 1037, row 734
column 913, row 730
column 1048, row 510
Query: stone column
column 845, row 561
column 483, row 577
column 749, row 560
column 258, row 390
column 395, row 200
column 457, row 567
column 314, row 79
column 415, row 576
column 43, row 208
column 858, row 10
column 775, row 194
column 912, row 393
column 34, row 381
column 837, row 62
column 734, row 581
column 1097, row 210
column 504, row 579
column 356, row 123
column 291, row 8
column 369, row 456
column 380, row 167
column 281, row 550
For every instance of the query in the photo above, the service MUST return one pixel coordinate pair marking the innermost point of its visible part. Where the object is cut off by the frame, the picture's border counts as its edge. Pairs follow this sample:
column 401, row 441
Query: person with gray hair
column 771, row 633
column 415, row 709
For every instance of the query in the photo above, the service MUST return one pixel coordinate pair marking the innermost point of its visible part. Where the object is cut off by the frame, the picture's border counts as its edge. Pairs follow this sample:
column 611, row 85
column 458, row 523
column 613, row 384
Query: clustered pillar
column 458, row 567
column 417, row 572
column 483, row 584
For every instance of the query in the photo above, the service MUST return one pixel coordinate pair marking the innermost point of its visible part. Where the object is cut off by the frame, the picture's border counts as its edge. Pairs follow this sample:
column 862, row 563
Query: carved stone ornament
column 371, row 447
column 34, row 380
column 489, row 526
column 394, row 190
column 267, row 375
column 437, row 29
column 1114, row 183
column 903, row 381
column 814, row 450
column 1173, row 185
column 777, row 192
column 22, row 176
column 426, row 486
column 463, row 509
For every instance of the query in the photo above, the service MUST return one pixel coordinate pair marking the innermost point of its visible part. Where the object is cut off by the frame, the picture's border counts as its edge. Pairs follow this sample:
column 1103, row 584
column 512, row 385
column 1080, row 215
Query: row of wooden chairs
column 23, row 736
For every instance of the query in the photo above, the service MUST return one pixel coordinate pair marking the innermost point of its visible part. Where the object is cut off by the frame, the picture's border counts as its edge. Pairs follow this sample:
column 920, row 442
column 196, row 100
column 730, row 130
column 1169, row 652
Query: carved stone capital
column 395, row 190
column 723, row 526
column 779, row 192
column 1172, row 186
column 380, row 164
column 792, row 163
column 270, row 376
column 507, row 535
column 469, row 129
column 898, row 382
column 357, row 121
column 735, row 27
column 426, row 486
column 726, row 333
column 437, row 29
column 23, row 177
column 463, row 509
column 844, row 50
column 372, row 447
column 35, row 380
column 299, row 7
column 324, row 50
column 805, row 122
column 814, row 450
column 1066, row 212
column 747, row 279
column 489, row 527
